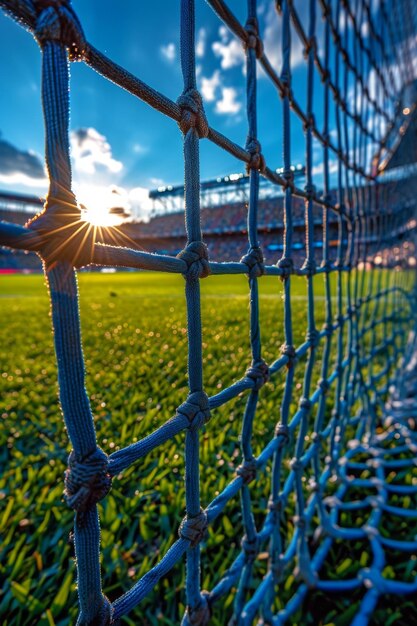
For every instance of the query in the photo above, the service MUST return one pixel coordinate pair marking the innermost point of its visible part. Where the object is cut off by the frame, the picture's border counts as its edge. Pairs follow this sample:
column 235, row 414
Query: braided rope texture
column 352, row 110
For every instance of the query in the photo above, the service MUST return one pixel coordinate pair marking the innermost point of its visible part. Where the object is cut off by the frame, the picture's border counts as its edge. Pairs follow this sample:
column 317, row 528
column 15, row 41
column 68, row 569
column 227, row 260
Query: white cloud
column 225, row 97
column 271, row 27
column 230, row 52
column 91, row 152
column 157, row 182
column 21, row 167
column 209, row 86
column 272, row 39
column 318, row 169
column 139, row 201
column 200, row 47
column 228, row 103
column 169, row 52
column 18, row 178
column 139, row 149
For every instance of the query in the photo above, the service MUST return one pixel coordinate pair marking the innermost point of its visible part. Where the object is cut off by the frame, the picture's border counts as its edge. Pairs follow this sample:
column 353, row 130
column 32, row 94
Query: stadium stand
column 225, row 226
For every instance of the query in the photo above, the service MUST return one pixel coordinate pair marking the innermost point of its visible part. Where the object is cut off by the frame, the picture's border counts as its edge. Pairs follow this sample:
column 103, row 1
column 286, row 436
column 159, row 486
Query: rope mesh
column 358, row 103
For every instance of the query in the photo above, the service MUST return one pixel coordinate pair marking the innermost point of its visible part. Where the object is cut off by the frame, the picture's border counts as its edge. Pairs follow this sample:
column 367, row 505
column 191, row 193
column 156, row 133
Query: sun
column 99, row 217
column 102, row 206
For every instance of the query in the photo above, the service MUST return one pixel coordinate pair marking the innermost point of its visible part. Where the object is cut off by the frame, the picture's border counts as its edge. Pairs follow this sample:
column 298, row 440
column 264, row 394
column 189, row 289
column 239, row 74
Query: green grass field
column 135, row 345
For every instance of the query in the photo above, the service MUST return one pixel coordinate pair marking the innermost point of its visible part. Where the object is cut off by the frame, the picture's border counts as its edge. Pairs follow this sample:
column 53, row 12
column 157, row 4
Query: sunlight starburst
column 102, row 206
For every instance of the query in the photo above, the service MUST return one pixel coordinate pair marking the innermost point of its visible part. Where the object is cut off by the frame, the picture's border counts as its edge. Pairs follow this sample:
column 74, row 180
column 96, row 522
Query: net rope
column 344, row 423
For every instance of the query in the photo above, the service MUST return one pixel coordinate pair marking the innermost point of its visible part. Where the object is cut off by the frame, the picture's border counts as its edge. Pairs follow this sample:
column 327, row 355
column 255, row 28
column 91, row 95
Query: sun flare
column 102, row 206
column 101, row 217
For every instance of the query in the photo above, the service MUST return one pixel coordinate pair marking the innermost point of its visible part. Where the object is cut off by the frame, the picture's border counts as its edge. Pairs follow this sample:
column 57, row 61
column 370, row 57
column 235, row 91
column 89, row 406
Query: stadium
column 224, row 221
column 209, row 387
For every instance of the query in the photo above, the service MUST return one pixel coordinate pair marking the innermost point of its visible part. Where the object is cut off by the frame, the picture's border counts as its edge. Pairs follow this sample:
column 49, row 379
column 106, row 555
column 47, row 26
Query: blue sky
column 118, row 140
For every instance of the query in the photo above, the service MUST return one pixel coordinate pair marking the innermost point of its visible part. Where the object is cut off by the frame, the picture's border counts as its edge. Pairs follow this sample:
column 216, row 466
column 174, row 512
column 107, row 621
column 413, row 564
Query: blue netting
column 358, row 103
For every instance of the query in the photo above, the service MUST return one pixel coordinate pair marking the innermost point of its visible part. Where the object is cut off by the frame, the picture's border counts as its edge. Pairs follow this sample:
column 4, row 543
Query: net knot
column 372, row 579
column 300, row 521
column 257, row 159
column 195, row 409
column 309, row 124
column 345, row 57
column 285, row 87
column 341, row 209
column 193, row 529
column 371, row 531
column 87, row 480
column 340, row 320
column 195, row 255
column 286, row 264
column 250, row 547
column 57, row 21
column 328, row 329
column 324, row 385
column 326, row 11
column 253, row 40
column 200, row 614
column 288, row 176
column 311, row 45
column 313, row 337
column 192, row 113
column 305, row 404
column 325, row 77
column 281, row 430
column 297, row 466
column 254, row 260
column 309, row 267
column 317, row 438
column 336, row 38
column 326, row 265
column 275, row 506
column 290, row 352
column 310, row 191
column 259, row 373
column 247, row 470
column 66, row 237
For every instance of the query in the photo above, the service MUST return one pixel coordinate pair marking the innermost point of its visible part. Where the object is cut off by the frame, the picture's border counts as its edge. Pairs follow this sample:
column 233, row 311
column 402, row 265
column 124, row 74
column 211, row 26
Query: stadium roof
column 20, row 198
column 232, row 180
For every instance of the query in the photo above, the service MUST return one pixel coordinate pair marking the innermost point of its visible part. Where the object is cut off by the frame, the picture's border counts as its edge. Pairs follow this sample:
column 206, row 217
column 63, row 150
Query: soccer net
column 337, row 460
